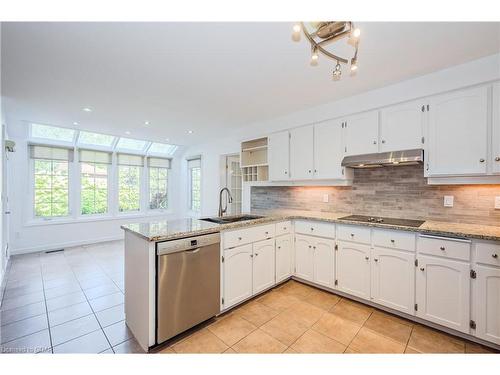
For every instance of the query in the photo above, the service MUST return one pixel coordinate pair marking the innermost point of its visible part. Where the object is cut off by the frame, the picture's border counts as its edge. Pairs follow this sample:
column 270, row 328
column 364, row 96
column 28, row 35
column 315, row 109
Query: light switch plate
column 326, row 198
column 448, row 201
column 497, row 203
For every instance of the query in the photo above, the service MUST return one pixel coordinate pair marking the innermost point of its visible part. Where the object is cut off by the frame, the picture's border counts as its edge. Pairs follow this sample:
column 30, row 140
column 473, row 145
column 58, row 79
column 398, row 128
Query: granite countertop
column 164, row 230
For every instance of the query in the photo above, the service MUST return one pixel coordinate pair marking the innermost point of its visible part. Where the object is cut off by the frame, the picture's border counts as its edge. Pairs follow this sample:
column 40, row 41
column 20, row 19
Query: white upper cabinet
column 279, row 156
column 263, row 265
column 302, row 153
column 443, row 292
column 496, row 129
column 401, row 127
column 361, row 133
column 393, row 279
column 328, row 151
column 458, row 128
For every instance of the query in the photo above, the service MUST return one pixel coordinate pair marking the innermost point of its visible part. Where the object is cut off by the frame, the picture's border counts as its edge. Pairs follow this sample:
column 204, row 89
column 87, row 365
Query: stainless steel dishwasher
column 188, row 284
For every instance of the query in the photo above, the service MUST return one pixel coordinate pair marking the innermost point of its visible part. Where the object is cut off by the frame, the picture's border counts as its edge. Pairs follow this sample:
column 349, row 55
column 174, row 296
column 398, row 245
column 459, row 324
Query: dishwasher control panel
column 184, row 244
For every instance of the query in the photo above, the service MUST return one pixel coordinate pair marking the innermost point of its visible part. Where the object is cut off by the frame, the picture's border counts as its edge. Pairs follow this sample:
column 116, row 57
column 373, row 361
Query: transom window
column 131, row 144
column 162, row 149
column 96, row 139
column 52, row 133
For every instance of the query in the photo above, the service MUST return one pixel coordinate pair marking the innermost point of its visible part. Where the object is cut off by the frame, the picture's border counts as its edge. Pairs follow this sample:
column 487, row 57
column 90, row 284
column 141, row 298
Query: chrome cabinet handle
column 383, row 140
column 481, row 160
column 494, row 256
column 239, row 238
column 392, row 241
column 256, row 254
column 251, row 255
column 375, row 259
column 352, row 234
column 312, row 228
column 279, row 247
column 267, row 232
column 374, row 142
column 422, row 269
column 442, row 248
column 367, row 258
column 497, row 158
column 310, row 171
column 314, row 247
column 310, row 246
column 286, row 172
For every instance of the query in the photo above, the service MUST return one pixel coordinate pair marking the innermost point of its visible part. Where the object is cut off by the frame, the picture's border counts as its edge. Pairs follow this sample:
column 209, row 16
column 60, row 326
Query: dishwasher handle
column 189, row 244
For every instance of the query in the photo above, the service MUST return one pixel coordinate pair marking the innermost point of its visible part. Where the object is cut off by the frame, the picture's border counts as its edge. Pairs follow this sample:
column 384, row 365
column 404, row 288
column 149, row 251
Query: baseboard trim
column 403, row 315
column 62, row 245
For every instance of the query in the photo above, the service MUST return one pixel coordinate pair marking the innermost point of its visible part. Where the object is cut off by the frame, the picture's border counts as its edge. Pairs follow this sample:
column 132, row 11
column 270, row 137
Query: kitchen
column 360, row 214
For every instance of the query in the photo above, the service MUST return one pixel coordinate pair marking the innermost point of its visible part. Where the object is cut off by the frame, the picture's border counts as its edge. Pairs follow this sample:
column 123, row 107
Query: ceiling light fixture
column 190, row 131
column 75, row 123
column 146, row 123
column 127, row 132
column 87, row 109
column 323, row 34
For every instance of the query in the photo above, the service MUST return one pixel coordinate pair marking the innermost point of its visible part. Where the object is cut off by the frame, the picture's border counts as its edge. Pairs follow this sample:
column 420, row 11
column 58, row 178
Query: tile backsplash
column 400, row 192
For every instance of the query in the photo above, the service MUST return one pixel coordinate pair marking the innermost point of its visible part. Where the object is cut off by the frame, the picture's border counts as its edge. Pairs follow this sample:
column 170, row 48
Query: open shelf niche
column 254, row 165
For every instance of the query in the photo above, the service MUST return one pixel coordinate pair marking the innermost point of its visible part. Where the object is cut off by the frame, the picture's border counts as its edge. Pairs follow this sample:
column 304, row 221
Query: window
column 95, row 139
column 94, row 181
column 158, row 183
column 52, row 132
column 129, row 182
column 194, row 175
column 162, row 149
column 131, row 144
column 51, row 184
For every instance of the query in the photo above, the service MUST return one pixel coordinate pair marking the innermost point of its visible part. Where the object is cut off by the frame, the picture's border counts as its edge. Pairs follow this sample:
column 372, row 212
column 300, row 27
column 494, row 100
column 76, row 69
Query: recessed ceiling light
column 127, row 132
column 167, row 139
column 146, row 123
column 87, row 109
column 190, row 131
column 75, row 123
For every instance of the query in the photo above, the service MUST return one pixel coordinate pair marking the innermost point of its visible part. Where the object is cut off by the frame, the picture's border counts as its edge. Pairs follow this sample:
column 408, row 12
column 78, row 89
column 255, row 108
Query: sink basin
column 231, row 219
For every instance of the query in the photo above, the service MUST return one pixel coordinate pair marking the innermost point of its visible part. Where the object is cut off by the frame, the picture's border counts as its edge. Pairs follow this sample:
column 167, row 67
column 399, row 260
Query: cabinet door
column 283, row 257
column 279, row 156
column 393, row 279
column 401, row 127
column 301, row 153
column 488, row 304
column 496, row 129
column 263, row 265
column 328, row 152
column 361, row 134
column 458, row 124
column 237, row 275
column 304, row 257
column 443, row 292
column 323, row 262
column 353, row 269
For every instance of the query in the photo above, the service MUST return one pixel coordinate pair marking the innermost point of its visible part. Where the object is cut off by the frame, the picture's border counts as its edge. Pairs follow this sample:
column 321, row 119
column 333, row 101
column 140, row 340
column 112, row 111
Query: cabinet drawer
column 248, row 235
column 488, row 253
column 283, row 227
column 315, row 228
column 394, row 239
column 353, row 233
column 444, row 247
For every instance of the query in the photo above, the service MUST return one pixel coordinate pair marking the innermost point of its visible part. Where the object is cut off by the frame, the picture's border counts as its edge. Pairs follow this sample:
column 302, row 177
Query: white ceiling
column 207, row 77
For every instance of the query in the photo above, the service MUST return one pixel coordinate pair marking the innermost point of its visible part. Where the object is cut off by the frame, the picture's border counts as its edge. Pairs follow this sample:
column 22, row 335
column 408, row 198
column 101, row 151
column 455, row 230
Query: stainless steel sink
column 231, row 219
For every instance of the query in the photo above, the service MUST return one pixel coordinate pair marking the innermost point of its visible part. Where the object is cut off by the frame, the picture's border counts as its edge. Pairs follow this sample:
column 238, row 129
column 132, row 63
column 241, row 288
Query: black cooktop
column 384, row 220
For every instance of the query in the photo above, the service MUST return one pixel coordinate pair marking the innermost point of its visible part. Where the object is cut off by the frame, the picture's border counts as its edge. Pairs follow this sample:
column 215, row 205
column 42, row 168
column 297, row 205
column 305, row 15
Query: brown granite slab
column 165, row 230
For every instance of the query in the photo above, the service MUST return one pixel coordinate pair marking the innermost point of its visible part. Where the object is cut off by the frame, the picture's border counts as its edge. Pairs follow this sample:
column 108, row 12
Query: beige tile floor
column 72, row 302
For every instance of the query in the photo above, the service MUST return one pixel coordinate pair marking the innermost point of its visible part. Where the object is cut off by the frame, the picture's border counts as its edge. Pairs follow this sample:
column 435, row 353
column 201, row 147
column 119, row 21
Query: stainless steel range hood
column 384, row 159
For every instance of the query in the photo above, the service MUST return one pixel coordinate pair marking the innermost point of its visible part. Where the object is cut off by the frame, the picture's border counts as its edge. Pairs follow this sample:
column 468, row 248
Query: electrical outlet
column 326, row 198
column 448, row 201
column 497, row 203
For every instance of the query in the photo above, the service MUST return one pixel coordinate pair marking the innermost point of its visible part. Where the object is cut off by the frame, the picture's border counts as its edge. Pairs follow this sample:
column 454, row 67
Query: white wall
column 475, row 72
column 26, row 236
column 3, row 258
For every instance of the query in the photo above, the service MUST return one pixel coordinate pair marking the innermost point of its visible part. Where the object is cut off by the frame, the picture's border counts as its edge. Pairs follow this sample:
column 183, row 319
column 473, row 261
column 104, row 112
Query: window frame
column 148, row 192
column 190, row 185
column 141, row 191
column 108, row 200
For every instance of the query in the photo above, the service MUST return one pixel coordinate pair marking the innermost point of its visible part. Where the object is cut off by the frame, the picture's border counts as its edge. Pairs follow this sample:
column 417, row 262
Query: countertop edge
column 275, row 218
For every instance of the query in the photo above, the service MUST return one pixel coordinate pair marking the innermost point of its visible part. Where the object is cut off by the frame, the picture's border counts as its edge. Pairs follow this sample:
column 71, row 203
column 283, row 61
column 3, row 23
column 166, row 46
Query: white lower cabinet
column 323, row 267
column 304, row 259
column 263, row 265
column 314, row 259
column 353, row 269
column 283, row 257
column 393, row 279
column 488, row 303
column 443, row 292
column 237, row 274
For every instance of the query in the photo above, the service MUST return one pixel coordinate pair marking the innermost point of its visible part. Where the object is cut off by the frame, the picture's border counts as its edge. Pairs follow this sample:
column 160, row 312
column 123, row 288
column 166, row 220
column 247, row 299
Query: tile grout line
column 46, row 309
